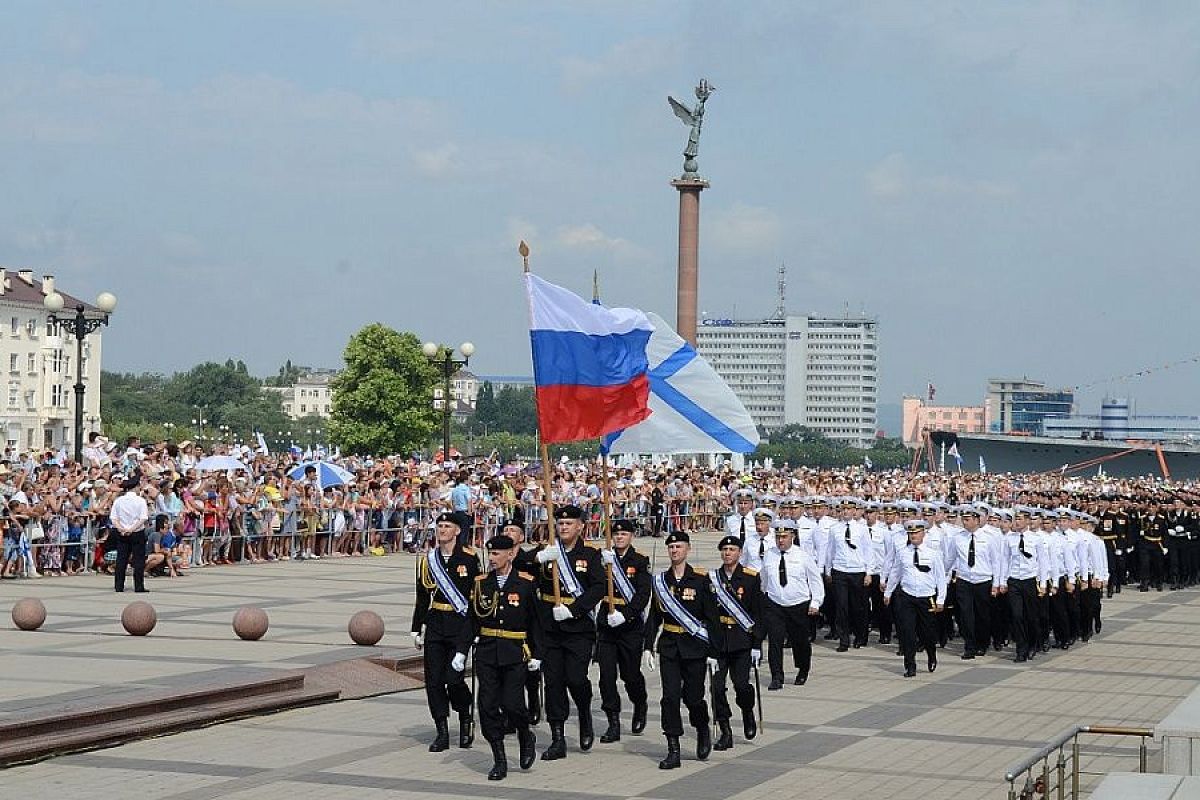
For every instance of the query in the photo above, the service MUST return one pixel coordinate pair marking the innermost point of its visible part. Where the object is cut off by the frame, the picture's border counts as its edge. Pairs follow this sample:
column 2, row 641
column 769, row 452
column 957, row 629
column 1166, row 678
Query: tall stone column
column 688, row 279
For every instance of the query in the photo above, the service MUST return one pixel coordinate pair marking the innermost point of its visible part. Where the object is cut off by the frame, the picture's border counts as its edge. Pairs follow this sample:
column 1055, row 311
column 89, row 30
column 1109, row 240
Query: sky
column 1012, row 189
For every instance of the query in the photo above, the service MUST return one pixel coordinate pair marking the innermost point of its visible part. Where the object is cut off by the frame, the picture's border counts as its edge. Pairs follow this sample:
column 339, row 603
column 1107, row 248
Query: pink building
column 920, row 417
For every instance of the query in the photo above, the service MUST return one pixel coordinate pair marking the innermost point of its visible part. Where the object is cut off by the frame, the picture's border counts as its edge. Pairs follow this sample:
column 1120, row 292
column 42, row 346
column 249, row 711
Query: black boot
column 703, row 742
column 442, row 740
column 672, row 759
column 500, row 768
column 749, row 723
column 586, row 734
column 558, row 743
column 466, row 730
column 527, row 741
column 639, row 719
column 725, row 740
column 613, row 733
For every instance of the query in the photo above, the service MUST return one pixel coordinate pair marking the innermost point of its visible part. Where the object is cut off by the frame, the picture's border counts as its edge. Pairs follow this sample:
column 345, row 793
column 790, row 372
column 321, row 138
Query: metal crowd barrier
column 1054, row 777
column 414, row 531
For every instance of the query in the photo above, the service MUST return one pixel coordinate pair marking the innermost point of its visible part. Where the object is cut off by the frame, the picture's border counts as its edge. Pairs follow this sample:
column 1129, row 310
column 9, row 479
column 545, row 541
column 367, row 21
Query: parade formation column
column 688, row 278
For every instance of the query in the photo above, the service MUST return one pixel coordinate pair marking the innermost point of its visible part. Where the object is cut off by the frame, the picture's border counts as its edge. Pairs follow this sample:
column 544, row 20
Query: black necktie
column 762, row 546
column 1021, row 546
column 782, row 569
column 849, row 543
column 971, row 552
column 917, row 563
column 743, row 532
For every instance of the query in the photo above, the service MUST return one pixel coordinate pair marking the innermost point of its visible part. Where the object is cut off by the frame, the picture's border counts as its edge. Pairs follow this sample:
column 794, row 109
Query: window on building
column 12, row 363
column 303, row 408
column 32, row 364
column 13, row 396
column 56, row 396
column 16, row 326
column 31, row 328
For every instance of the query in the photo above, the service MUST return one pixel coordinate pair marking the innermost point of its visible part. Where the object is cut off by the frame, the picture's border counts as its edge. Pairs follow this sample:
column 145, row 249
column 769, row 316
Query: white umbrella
column 219, row 463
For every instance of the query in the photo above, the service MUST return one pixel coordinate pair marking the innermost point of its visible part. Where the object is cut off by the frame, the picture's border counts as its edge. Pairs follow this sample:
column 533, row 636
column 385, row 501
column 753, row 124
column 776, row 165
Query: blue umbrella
column 327, row 474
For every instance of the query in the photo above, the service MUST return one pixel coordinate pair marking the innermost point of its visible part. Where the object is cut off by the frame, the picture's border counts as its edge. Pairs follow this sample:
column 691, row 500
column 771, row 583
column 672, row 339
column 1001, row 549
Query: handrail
column 1041, row 786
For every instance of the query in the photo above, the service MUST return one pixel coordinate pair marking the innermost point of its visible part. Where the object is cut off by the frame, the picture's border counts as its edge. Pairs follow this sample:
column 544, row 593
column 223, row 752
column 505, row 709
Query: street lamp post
column 199, row 421
column 449, row 365
column 79, row 325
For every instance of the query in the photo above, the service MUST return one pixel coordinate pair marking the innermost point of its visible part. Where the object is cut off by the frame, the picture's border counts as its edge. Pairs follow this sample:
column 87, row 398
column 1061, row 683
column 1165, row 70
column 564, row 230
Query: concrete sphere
column 28, row 614
column 366, row 628
column 139, row 618
column 250, row 623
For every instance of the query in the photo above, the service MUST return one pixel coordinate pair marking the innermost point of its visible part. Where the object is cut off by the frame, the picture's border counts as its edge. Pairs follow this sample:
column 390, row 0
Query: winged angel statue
column 693, row 118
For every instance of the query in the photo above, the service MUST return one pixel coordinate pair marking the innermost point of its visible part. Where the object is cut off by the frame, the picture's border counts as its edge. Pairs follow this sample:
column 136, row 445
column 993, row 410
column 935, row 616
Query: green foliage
column 798, row 446
column 512, row 409
column 214, row 386
column 287, row 376
column 383, row 399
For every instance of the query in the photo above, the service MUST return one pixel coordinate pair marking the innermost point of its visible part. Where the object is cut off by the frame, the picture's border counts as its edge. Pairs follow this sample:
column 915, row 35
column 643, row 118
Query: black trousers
column 620, row 654
column 1023, row 614
column 565, row 669
column 445, row 687
column 533, row 688
column 1116, row 564
column 735, row 666
column 916, row 624
column 1000, row 622
column 851, row 606
column 1044, row 617
column 131, row 550
column 1089, row 611
column 881, row 615
column 683, row 680
column 1176, row 558
column 1074, row 614
column 501, row 698
column 1150, row 566
column 790, row 622
column 975, row 614
column 1060, row 616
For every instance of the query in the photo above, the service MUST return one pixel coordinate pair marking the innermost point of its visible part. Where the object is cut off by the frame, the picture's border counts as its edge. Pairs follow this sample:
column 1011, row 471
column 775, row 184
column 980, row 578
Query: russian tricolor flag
column 589, row 364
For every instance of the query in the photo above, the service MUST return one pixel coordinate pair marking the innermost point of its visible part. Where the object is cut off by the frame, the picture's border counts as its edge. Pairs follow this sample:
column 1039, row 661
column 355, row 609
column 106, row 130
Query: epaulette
column 750, row 571
column 594, row 545
column 700, row 570
column 468, row 550
column 525, row 575
column 480, row 577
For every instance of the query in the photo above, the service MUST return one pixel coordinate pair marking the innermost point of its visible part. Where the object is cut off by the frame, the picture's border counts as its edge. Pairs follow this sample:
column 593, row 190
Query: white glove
column 755, row 657
column 1179, row 529
column 1165, row 551
column 548, row 553
column 561, row 613
column 608, row 557
column 459, row 663
column 1117, row 552
column 534, row 664
column 418, row 639
column 649, row 661
column 616, row 619
column 713, row 666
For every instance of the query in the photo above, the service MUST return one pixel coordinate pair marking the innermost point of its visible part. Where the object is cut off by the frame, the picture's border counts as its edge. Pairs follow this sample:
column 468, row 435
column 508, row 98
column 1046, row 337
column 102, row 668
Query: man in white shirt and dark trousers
column 741, row 522
column 129, row 515
column 974, row 560
column 792, row 583
column 849, row 564
column 918, row 581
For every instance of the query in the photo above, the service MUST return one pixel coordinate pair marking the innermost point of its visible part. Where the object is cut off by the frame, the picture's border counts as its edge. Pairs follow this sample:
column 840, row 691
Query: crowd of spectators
column 55, row 513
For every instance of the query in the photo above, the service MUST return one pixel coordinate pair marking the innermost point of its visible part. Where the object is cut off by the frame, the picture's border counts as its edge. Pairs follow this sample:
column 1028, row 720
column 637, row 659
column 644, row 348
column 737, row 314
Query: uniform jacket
column 429, row 609
column 695, row 593
column 505, row 620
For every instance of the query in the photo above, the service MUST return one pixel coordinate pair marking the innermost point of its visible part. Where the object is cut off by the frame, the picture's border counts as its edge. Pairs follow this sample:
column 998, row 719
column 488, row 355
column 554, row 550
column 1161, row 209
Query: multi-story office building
column 820, row 372
column 1019, row 405
column 920, row 417
column 42, row 368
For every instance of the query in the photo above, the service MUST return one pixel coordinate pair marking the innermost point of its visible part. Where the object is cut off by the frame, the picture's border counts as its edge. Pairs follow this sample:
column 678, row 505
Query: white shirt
column 804, row 578
column 754, row 544
column 849, row 552
column 1018, row 566
column 988, row 554
column 915, row 582
column 733, row 524
column 129, row 512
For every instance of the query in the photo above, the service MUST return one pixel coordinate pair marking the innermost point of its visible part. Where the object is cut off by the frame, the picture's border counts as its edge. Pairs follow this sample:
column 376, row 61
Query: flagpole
column 547, row 484
column 606, row 521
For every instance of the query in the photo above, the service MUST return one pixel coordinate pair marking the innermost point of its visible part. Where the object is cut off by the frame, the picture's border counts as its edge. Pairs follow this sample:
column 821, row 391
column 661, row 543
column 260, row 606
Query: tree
column 383, row 399
column 487, row 412
column 516, row 410
column 213, row 386
column 798, row 434
column 287, row 375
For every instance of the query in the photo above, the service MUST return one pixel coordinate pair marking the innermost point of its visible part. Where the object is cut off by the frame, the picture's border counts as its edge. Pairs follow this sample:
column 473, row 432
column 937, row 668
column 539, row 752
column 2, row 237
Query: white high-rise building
column 820, row 372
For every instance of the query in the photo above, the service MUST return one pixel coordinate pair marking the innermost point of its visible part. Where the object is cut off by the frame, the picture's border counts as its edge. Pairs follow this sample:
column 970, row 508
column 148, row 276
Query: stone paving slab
column 857, row 729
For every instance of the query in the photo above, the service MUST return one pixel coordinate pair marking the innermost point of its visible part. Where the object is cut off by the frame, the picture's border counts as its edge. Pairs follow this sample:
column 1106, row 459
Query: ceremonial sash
column 621, row 579
column 566, row 574
column 684, row 617
column 442, row 578
column 730, row 604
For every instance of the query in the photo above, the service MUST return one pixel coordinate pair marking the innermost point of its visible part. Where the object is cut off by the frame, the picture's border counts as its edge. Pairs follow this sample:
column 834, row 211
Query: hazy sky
column 1011, row 188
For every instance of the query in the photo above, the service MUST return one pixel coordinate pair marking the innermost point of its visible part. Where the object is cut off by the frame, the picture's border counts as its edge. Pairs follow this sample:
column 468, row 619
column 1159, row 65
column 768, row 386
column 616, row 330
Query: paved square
column 857, row 729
